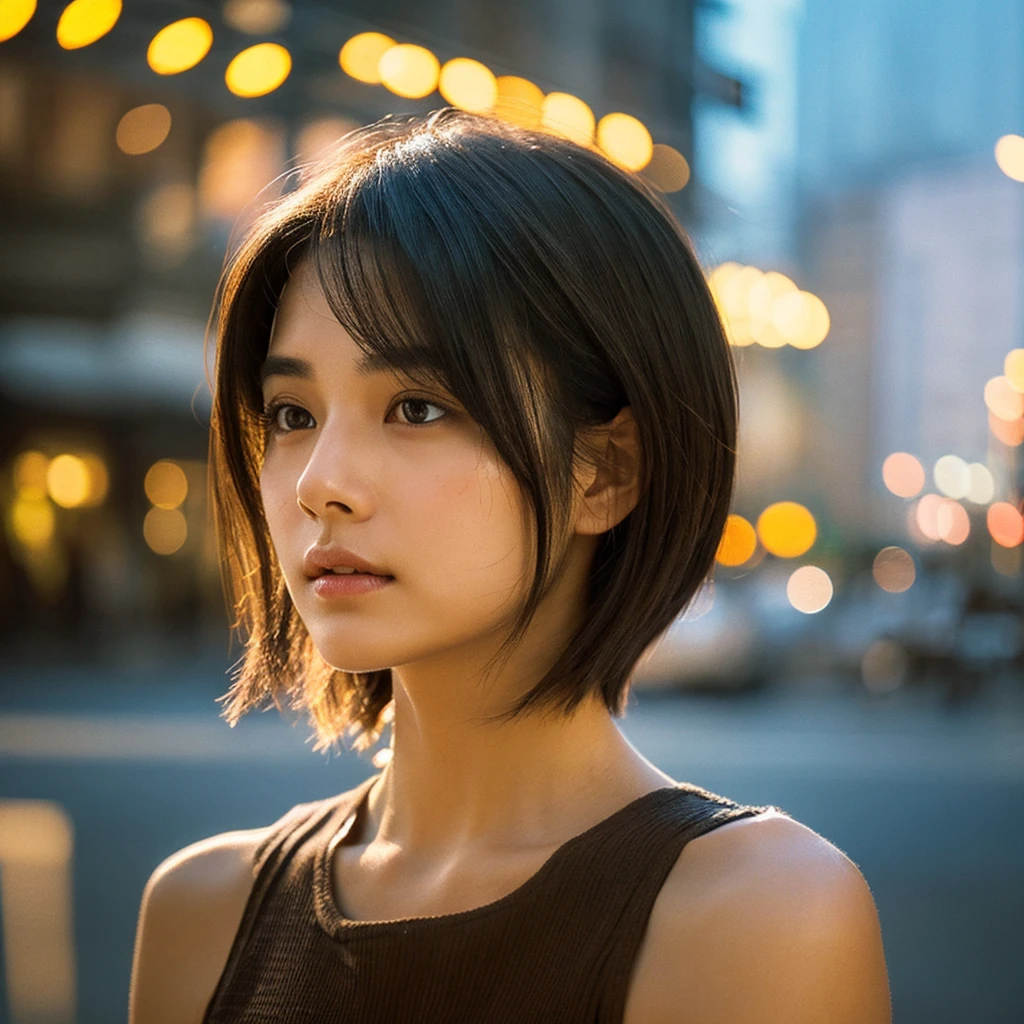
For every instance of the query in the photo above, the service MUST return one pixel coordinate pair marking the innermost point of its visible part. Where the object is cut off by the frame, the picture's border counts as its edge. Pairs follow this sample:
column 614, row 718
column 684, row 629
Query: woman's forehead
column 301, row 297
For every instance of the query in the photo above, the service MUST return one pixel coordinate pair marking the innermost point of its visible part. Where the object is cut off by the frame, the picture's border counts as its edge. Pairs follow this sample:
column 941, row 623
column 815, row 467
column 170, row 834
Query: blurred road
column 928, row 801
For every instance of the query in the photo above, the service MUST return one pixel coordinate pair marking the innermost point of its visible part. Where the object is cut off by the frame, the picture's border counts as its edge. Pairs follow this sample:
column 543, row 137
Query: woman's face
column 396, row 474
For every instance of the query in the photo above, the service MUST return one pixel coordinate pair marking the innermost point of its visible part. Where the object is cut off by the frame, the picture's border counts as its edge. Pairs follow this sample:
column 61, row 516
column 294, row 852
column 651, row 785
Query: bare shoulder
column 191, row 909
column 762, row 921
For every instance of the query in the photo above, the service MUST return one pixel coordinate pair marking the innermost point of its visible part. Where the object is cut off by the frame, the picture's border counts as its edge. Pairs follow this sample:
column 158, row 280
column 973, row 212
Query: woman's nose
column 334, row 480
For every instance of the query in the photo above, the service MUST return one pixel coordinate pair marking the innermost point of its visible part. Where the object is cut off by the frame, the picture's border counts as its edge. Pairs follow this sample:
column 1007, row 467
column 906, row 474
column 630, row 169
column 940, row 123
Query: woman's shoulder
column 762, row 918
column 191, row 909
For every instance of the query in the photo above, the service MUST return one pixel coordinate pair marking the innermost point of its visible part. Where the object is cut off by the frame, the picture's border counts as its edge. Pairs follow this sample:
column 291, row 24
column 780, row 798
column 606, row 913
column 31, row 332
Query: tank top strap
column 272, row 856
column 633, row 863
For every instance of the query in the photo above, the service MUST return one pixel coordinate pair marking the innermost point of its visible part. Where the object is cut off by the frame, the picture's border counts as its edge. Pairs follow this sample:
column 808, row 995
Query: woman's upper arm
column 772, row 925
column 191, row 909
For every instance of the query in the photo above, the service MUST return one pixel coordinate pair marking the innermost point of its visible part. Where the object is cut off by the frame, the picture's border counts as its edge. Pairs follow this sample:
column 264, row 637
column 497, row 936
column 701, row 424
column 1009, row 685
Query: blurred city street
column 928, row 801
column 851, row 178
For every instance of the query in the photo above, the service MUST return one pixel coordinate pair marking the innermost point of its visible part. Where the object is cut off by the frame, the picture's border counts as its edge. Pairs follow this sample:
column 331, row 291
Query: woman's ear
column 610, row 484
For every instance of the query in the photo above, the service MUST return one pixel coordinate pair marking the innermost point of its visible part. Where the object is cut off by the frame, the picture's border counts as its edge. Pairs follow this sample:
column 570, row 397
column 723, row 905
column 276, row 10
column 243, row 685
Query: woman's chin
column 349, row 664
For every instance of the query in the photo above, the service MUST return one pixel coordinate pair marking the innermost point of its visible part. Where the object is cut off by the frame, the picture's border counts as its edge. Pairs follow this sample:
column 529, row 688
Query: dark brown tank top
column 558, row 949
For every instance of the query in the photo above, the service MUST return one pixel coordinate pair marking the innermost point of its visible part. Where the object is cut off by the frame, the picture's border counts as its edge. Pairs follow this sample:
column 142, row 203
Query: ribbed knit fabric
column 557, row 950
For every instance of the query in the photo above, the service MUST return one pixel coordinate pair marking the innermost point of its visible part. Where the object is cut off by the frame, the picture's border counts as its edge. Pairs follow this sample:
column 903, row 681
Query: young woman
column 472, row 452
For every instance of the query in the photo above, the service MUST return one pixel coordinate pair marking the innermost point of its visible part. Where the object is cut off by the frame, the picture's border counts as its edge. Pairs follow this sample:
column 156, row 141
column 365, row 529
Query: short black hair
column 546, row 289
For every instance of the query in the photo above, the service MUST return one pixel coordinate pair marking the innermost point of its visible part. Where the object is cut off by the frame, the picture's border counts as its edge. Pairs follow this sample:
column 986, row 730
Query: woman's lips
column 350, row 584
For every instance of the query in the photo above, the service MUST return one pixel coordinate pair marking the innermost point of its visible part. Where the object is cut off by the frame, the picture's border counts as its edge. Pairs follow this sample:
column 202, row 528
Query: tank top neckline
column 335, row 923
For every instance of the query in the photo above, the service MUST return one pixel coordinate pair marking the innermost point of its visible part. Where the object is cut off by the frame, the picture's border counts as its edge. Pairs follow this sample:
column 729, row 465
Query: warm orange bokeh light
column 360, row 56
column 14, row 16
column 1011, row 434
column 565, row 114
column 625, row 141
column 143, row 129
column 1013, row 369
column 84, row 21
column 165, row 484
column 1005, row 524
column 787, row 529
column 468, row 85
column 165, row 530
column 738, row 543
column 519, row 101
column 409, row 71
column 1003, row 399
column 179, row 46
column 258, row 70
column 668, row 170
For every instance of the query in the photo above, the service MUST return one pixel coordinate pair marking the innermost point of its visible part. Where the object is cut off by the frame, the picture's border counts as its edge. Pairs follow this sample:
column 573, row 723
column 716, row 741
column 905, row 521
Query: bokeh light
column 625, row 141
column 809, row 589
column 32, row 522
column 258, row 70
column 787, row 529
column 1005, row 524
column 179, row 46
column 738, row 543
column 668, row 170
column 1010, row 433
column 240, row 158
column 257, row 17
column 409, row 71
column 360, row 56
column 30, row 474
column 767, row 308
column 761, row 299
column 14, row 16
column 952, row 523
column 769, row 286
column 518, row 101
column 903, row 475
column 1004, row 400
column 926, row 515
column 952, row 477
column 730, row 285
column 85, row 21
column 468, row 84
column 165, row 484
column 982, row 487
column 811, row 327
column 893, row 569
column 165, row 530
column 143, row 129
column 567, row 115
column 1013, row 369
column 1010, row 156
column 67, row 481
column 99, row 479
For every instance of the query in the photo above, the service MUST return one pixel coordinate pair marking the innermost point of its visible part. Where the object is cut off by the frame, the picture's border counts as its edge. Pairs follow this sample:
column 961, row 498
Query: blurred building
column 119, row 191
column 913, row 236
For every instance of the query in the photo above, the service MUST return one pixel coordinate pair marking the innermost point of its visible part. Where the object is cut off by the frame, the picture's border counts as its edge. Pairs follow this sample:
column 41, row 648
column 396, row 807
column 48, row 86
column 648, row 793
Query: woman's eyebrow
column 285, row 366
column 410, row 361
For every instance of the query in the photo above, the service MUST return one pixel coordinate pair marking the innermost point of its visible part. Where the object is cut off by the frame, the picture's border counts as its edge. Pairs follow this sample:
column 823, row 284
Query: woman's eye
column 285, row 418
column 417, row 410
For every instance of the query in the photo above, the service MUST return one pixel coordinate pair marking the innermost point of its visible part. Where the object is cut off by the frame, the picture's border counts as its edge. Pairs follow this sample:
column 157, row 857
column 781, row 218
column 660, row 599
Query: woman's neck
column 460, row 780
column 535, row 781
